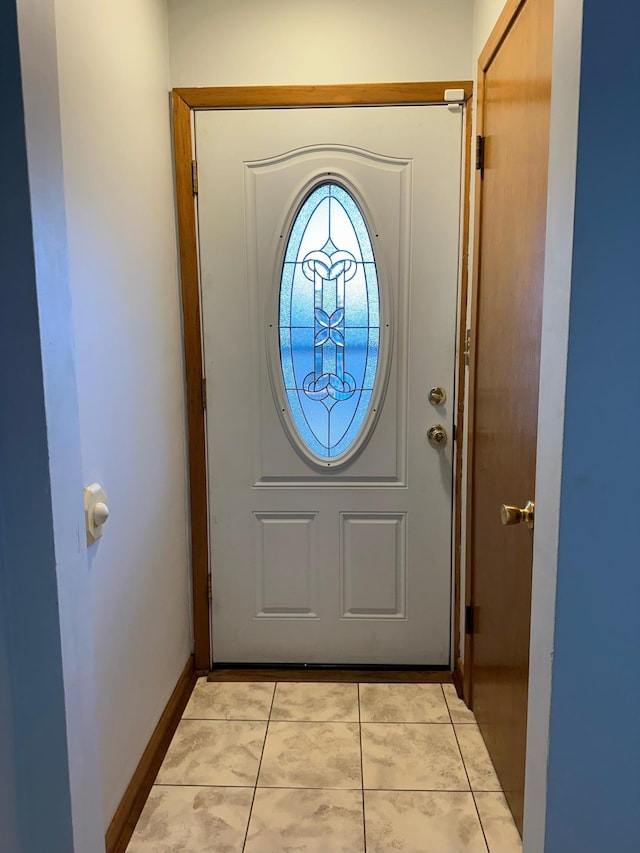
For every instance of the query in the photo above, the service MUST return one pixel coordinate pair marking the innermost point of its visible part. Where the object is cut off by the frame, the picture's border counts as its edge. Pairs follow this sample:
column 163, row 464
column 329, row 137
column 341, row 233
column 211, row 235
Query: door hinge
column 209, row 588
column 194, row 176
column 203, row 390
column 480, row 147
column 467, row 346
column 468, row 619
column 454, row 432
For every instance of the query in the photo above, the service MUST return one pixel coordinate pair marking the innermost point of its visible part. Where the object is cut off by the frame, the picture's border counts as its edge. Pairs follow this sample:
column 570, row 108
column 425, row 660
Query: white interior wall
column 485, row 15
column 114, row 81
column 250, row 42
column 43, row 560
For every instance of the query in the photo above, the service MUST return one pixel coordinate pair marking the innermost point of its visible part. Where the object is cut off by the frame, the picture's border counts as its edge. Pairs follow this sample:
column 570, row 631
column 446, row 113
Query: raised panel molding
column 373, row 565
column 285, row 588
column 279, row 184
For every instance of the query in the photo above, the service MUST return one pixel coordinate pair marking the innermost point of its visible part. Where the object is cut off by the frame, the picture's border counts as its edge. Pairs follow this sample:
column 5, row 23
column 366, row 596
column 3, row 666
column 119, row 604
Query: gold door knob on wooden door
column 514, row 514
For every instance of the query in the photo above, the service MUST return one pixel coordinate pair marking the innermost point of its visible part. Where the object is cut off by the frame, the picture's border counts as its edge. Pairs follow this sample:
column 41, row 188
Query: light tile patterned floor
column 326, row 768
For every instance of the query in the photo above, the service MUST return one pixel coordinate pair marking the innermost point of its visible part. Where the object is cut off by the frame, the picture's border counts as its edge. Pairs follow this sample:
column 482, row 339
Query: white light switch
column 96, row 511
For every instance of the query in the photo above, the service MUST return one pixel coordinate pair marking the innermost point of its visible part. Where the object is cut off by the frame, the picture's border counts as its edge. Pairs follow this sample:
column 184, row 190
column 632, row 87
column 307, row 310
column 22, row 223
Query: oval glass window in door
column 329, row 322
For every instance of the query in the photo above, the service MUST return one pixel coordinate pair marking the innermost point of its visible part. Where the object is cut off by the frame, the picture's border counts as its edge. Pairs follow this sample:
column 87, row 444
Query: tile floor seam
column 475, row 804
column 255, row 787
column 364, row 816
column 425, row 790
column 308, row 788
column 331, row 788
column 321, row 788
column 266, row 787
column 500, row 794
column 315, row 722
column 199, row 785
column 483, row 744
column 225, row 719
column 403, row 723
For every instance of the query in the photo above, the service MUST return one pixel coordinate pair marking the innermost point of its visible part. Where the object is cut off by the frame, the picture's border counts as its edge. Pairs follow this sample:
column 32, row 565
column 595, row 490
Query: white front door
column 329, row 244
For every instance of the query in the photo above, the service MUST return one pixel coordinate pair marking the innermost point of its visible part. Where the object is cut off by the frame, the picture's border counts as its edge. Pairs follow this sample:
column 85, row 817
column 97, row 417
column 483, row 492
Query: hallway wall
column 250, row 42
column 114, row 81
column 485, row 15
column 594, row 758
column 9, row 820
column 49, row 775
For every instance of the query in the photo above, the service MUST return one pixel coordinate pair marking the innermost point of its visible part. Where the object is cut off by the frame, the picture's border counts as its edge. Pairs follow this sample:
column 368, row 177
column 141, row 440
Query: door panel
column 279, row 592
column 373, row 565
column 515, row 113
column 351, row 565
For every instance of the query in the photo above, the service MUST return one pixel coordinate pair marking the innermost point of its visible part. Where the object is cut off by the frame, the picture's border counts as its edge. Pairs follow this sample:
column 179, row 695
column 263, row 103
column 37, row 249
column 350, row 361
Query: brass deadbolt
column 437, row 435
column 514, row 514
column 437, row 396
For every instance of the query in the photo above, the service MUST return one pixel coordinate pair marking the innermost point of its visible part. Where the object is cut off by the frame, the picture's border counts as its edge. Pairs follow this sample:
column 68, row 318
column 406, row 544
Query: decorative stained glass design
column 329, row 321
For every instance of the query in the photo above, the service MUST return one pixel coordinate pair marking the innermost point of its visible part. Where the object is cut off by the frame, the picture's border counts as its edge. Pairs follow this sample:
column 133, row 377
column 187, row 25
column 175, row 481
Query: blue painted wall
column 593, row 792
column 35, row 806
column 8, row 805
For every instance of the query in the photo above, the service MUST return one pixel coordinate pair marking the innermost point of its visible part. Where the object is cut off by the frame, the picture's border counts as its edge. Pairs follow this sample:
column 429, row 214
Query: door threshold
column 371, row 674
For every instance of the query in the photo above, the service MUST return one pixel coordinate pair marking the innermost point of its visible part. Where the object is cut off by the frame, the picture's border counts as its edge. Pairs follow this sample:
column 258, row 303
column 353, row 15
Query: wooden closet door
column 514, row 99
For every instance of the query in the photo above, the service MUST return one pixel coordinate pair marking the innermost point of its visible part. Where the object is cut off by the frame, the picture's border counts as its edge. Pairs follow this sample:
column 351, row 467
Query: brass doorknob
column 514, row 515
column 437, row 435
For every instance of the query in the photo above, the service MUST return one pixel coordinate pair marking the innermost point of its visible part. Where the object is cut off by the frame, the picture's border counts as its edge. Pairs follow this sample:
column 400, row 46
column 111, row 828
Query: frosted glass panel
column 329, row 321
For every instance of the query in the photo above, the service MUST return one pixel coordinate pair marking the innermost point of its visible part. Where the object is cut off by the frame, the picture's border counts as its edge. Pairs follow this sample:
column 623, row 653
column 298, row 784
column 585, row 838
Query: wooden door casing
column 513, row 117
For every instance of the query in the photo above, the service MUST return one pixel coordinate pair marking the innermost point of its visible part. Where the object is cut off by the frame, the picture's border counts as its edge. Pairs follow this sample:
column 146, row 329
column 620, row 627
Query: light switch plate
column 93, row 495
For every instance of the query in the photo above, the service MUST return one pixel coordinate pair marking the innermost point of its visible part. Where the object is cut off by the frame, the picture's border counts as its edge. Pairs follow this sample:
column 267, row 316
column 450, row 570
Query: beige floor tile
column 421, row 757
column 213, row 752
column 298, row 701
column 311, row 755
column 422, row 822
column 402, row 703
column 476, row 759
column 306, row 821
column 230, row 701
column 193, row 820
column 458, row 710
column 499, row 828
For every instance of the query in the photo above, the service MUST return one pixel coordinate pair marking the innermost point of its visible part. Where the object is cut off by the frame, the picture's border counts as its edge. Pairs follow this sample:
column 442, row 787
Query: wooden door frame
column 185, row 101
column 500, row 31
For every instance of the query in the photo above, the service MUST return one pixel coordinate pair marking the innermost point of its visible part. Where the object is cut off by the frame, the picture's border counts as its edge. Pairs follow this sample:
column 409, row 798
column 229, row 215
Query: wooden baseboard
column 458, row 678
column 127, row 814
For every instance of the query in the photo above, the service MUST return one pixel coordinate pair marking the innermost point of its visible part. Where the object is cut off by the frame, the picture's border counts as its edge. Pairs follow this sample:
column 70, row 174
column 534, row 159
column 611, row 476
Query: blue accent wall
column 593, row 794
column 35, row 805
